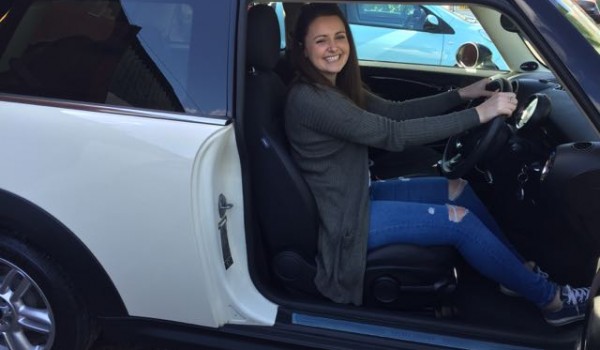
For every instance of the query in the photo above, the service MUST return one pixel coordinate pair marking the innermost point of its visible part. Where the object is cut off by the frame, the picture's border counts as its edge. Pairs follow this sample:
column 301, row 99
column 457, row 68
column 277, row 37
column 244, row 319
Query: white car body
column 156, row 181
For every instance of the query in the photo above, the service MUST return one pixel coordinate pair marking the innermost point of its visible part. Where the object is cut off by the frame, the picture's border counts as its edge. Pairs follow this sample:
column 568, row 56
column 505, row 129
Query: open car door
column 591, row 330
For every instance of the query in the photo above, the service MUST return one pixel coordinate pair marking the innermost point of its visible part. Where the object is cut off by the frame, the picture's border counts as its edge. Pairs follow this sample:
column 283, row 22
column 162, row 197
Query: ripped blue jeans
column 421, row 211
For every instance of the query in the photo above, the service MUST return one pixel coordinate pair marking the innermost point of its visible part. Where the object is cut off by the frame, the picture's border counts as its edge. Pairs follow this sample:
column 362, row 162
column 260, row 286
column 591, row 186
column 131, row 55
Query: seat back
column 286, row 209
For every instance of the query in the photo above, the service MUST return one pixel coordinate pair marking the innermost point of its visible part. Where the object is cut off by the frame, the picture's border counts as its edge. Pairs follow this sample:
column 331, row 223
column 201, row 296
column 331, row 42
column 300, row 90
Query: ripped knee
column 456, row 213
column 455, row 188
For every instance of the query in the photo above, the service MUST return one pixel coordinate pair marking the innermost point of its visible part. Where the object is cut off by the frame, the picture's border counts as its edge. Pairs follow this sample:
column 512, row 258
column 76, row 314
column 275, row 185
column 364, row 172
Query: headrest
column 263, row 38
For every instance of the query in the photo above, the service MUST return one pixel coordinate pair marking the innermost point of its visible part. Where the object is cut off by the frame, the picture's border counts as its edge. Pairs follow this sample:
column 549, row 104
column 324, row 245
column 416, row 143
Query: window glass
column 416, row 33
column 400, row 16
column 580, row 20
column 134, row 53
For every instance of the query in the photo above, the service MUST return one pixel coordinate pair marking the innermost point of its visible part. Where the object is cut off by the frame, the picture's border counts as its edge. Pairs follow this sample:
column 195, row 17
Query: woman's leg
column 412, row 189
column 439, row 190
column 395, row 222
column 460, row 193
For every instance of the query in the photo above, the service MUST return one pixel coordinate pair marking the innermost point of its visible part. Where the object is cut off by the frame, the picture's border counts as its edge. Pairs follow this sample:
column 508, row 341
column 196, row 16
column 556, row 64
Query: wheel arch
column 31, row 224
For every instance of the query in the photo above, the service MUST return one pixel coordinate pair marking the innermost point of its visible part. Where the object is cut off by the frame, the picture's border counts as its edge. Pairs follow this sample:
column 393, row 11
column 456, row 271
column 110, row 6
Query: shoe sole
column 565, row 321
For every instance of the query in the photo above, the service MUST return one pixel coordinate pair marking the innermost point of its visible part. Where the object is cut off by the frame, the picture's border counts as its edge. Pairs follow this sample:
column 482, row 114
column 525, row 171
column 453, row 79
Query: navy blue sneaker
column 574, row 306
column 512, row 293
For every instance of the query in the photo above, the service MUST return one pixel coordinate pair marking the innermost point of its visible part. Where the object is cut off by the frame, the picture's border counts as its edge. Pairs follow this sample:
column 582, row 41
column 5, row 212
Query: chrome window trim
column 100, row 108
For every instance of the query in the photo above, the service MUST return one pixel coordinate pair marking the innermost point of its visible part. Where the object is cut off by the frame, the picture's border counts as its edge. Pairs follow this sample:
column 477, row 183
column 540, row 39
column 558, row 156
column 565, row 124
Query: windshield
column 580, row 20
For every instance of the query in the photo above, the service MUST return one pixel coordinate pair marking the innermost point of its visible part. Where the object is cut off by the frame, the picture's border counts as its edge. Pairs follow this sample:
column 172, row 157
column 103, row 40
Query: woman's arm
column 328, row 112
column 426, row 106
column 414, row 108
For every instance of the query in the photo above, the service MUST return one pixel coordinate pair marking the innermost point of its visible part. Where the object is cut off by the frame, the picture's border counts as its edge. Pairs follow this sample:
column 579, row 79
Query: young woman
column 331, row 121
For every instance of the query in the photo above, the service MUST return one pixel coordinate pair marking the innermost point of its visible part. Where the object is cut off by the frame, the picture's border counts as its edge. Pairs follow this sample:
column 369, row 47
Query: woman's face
column 326, row 45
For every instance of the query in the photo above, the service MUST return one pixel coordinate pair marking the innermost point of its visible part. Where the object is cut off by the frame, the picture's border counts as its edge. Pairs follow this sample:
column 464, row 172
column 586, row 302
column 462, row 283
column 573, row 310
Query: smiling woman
column 329, row 133
column 327, row 47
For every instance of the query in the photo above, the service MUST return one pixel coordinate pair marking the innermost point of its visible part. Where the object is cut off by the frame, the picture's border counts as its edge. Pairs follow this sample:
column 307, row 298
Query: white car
column 146, row 192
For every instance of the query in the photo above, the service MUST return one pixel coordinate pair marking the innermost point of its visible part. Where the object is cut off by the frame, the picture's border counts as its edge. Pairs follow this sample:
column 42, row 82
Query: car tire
column 38, row 306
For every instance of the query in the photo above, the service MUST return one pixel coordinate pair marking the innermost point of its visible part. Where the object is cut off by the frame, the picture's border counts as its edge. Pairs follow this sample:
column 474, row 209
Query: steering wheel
column 465, row 150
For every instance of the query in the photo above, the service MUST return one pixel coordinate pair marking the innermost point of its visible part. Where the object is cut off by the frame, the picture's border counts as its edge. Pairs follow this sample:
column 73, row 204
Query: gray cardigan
column 329, row 137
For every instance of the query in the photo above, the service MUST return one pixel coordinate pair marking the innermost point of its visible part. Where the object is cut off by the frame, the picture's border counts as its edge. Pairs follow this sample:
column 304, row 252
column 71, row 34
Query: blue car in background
column 420, row 34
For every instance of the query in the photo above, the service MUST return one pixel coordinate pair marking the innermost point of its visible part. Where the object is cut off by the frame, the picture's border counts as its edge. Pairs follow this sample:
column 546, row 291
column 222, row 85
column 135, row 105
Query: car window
column 134, row 53
column 410, row 17
column 580, row 20
column 416, row 33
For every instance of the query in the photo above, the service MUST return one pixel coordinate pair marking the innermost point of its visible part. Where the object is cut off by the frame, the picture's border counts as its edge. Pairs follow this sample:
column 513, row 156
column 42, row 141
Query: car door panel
column 134, row 170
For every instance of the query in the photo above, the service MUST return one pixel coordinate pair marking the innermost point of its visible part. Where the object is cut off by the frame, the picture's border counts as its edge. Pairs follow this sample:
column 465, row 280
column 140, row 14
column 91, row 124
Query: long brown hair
column 348, row 80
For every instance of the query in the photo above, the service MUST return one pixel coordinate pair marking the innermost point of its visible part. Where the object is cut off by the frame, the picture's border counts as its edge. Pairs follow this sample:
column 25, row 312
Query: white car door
column 114, row 120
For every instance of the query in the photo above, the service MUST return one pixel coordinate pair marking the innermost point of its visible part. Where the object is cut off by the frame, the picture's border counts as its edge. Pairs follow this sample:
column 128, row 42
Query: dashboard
column 545, row 105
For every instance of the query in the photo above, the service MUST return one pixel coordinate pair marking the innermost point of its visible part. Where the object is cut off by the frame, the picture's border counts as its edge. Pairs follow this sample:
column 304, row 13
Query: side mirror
column 432, row 20
column 432, row 23
column 474, row 55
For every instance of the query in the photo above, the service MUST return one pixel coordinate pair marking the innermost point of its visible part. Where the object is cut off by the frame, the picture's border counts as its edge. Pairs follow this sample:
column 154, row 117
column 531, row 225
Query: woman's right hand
column 500, row 103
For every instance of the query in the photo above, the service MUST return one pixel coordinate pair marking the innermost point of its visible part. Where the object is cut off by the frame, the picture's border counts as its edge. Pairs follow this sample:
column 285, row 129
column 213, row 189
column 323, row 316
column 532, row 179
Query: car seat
column 402, row 276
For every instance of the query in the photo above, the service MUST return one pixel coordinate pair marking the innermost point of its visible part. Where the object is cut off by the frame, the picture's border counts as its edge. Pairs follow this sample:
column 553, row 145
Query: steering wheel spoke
column 465, row 150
